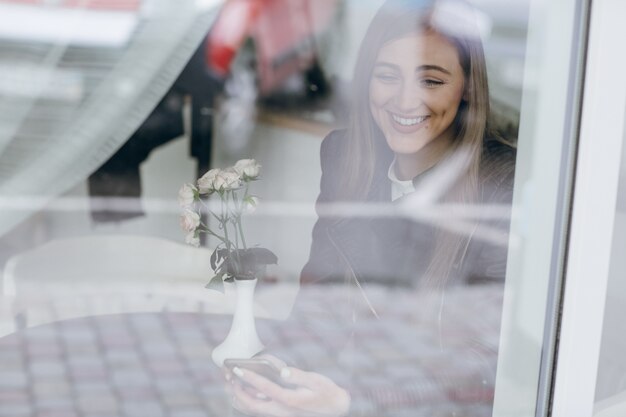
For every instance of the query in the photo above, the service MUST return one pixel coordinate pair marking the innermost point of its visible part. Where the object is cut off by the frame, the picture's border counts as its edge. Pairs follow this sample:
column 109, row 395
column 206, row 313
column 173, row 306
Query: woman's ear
column 466, row 92
column 466, row 89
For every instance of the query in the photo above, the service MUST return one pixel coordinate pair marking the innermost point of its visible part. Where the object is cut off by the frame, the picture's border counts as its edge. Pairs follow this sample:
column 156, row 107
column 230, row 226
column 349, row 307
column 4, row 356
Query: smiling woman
column 418, row 166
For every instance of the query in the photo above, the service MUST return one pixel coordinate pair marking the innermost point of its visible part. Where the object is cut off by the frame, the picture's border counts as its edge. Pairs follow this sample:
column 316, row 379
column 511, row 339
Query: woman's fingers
column 262, row 384
column 249, row 404
column 302, row 378
column 316, row 394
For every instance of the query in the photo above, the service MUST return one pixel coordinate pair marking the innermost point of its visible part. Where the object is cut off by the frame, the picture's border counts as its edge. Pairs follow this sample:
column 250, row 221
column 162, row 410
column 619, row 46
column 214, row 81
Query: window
column 373, row 221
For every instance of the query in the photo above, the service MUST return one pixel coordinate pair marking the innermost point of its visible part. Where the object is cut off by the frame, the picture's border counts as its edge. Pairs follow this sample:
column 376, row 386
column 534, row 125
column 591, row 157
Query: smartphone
column 260, row 366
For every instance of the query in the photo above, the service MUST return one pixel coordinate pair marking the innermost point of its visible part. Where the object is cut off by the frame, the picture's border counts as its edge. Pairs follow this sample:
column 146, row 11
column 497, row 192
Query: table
column 401, row 363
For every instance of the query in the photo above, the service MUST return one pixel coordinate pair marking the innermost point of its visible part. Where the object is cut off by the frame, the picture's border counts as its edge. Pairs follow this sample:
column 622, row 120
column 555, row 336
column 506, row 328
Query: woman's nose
column 408, row 98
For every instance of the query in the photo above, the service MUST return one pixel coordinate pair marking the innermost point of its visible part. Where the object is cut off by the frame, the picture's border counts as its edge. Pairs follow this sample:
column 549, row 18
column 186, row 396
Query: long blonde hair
column 365, row 145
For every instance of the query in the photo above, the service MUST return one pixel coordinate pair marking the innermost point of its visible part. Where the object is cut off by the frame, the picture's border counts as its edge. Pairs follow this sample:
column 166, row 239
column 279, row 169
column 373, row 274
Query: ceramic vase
column 242, row 341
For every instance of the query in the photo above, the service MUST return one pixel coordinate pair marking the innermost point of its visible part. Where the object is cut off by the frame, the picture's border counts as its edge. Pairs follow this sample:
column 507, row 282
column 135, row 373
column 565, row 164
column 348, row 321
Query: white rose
column 206, row 182
column 189, row 220
column 192, row 239
column 250, row 204
column 227, row 180
column 187, row 195
column 248, row 169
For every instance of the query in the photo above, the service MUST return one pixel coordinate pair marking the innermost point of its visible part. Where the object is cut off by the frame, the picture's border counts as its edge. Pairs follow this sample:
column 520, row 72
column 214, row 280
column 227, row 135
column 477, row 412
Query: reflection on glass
column 610, row 396
column 395, row 275
column 80, row 77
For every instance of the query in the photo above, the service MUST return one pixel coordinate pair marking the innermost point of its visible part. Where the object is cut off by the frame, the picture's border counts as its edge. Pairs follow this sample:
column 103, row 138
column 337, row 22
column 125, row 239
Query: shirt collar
column 399, row 188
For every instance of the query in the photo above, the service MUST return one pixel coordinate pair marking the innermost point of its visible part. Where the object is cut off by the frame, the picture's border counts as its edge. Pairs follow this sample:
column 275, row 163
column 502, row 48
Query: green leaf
column 214, row 260
column 258, row 256
column 216, row 283
column 217, row 257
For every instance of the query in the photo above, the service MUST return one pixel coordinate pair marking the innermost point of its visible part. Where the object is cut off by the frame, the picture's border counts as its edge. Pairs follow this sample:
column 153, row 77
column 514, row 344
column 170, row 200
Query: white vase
column 242, row 341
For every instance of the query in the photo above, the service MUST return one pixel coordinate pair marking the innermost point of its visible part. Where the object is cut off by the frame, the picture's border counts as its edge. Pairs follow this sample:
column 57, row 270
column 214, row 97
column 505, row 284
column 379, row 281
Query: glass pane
column 364, row 189
column 610, row 398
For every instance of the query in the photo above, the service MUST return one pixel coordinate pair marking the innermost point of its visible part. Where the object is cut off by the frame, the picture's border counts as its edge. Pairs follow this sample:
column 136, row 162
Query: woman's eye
column 386, row 78
column 430, row 83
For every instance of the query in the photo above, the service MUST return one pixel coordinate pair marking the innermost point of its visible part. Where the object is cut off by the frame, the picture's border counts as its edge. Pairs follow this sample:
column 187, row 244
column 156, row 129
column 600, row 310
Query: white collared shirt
column 399, row 188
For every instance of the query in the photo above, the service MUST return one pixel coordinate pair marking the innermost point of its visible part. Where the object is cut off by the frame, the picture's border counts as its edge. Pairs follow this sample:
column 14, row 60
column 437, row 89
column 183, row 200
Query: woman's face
column 414, row 94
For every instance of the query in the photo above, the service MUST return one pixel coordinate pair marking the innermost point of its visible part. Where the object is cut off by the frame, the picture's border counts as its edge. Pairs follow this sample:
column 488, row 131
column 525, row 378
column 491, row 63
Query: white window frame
column 593, row 212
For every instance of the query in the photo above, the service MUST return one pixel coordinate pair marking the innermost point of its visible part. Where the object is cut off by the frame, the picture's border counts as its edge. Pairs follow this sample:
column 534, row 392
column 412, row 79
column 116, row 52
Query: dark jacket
column 395, row 348
column 396, row 250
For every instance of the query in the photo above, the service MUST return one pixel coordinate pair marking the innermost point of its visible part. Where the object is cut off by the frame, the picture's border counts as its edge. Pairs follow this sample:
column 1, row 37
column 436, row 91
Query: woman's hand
column 315, row 395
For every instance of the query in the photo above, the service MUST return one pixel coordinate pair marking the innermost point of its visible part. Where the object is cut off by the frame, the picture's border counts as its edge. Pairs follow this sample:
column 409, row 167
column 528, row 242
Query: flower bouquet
column 232, row 260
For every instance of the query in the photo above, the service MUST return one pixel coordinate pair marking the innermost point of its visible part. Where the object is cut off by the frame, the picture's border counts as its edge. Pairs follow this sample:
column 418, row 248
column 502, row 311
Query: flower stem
column 243, row 239
column 212, row 233
column 245, row 195
column 224, row 222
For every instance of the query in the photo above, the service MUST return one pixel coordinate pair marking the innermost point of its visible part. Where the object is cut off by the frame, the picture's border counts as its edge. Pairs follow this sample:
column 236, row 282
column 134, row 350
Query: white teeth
column 408, row 122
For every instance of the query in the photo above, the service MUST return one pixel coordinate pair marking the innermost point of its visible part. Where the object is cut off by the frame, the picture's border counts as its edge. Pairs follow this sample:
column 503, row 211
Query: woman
column 419, row 123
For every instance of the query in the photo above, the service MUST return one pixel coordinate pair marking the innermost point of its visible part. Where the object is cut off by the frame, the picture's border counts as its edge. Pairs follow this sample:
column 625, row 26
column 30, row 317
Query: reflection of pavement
column 158, row 364
column 131, row 365
column 425, row 354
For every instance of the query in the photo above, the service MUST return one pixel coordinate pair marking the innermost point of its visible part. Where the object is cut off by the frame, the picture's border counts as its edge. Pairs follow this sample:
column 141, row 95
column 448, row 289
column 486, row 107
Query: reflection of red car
column 284, row 37
column 252, row 49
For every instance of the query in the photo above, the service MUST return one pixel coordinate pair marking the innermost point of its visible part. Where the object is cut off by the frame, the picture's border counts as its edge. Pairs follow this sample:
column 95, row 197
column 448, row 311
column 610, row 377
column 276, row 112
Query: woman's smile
column 408, row 124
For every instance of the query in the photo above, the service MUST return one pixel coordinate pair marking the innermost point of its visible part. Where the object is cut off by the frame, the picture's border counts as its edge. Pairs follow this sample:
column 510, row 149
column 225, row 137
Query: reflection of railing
column 454, row 217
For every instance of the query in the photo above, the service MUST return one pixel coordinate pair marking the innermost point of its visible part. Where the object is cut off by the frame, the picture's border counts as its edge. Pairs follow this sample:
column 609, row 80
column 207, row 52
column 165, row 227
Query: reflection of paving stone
column 75, row 336
column 81, row 350
column 95, row 387
column 159, row 351
column 217, row 405
column 181, row 399
column 51, row 389
column 98, row 404
column 14, row 379
column 47, row 369
column 123, row 379
column 152, row 365
column 59, row 407
column 188, row 412
column 145, row 394
column 205, row 373
column 143, row 409
column 15, row 395
column 14, row 400
column 172, row 383
column 21, row 410
column 121, row 357
column 43, row 351
column 166, row 367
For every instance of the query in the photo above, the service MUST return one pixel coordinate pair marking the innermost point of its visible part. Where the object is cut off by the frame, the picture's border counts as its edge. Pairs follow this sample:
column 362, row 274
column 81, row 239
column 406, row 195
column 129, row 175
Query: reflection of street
column 243, row 60
column 224, row 109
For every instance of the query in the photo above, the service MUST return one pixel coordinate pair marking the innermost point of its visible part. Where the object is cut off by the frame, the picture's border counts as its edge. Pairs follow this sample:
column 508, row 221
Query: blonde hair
column 365, row 144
